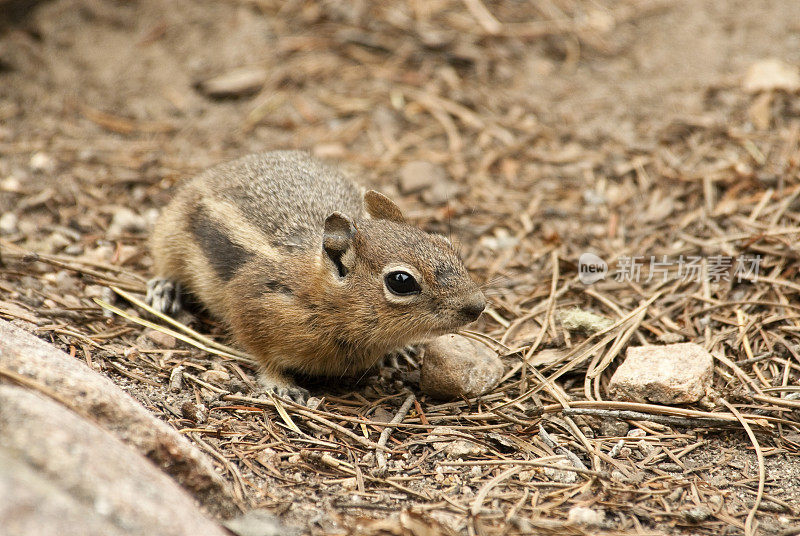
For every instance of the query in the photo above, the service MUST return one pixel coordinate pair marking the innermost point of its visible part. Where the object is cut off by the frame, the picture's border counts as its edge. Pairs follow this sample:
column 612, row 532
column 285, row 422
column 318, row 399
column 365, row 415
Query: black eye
column 402, row 283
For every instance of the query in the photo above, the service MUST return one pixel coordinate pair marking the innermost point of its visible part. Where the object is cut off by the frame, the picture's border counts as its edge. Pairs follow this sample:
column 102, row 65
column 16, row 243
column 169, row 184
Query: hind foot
column 164, row 295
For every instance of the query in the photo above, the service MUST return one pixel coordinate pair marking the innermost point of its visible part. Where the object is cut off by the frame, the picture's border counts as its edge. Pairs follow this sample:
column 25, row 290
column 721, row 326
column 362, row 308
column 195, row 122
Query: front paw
column 293, row 393
column 408, row 355
column 282, row 387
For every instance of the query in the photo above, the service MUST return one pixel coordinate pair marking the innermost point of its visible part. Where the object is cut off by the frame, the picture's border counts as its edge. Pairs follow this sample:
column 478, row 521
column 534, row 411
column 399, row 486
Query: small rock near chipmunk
column 671, row 374
column 164, row 340
column 454, row 366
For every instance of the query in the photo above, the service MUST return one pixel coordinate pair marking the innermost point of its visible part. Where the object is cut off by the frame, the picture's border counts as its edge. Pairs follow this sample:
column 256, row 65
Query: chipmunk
column 309, row 272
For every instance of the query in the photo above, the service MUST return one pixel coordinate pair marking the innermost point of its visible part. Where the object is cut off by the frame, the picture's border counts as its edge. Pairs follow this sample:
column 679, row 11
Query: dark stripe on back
column 224, row 256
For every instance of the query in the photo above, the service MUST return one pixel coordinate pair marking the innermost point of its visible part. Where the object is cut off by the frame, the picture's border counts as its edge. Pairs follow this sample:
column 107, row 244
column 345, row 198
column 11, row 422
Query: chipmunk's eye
column 402, row 283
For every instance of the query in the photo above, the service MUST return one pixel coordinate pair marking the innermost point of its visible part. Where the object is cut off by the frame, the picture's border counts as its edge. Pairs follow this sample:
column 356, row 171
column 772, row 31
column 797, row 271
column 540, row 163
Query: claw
column 294, row 393
column 279, row 385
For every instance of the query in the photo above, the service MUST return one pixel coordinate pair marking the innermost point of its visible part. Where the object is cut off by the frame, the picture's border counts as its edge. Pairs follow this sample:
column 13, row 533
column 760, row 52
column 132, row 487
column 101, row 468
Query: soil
column 564, row 126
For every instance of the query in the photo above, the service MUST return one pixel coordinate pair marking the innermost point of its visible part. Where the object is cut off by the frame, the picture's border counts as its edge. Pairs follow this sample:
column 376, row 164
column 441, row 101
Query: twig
column 749, row 530
column 380, row 457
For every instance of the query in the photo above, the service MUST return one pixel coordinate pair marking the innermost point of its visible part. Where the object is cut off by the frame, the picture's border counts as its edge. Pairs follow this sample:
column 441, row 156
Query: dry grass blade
column 477, row 503
column 284, row 415
column 177, row 335
column 749, row 530
column 183, row 327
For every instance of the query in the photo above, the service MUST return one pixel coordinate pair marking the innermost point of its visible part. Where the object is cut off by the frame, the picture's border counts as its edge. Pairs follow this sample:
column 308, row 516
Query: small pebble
column 11, row 183
column 163, row 340
column 644, row 447
column 558, row 475
column 126, row 221
column 697, row 514
column 618, row 476
column 613, row 428
column 42, row 163
column 580, row 515
column 215, row 376
column 57, row 242
column 771, row 74
column 176, row 379
column 588, row 322
column 671, row 467
column 454, row 366
column 8, row 223
column 235, row 83
column 461, row 448
column 74, row 250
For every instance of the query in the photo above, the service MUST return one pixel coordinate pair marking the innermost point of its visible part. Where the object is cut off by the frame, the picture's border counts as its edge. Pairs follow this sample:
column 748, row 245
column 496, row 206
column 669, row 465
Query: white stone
column 771, row 74
column 461, row 448
column 671, row 374
column 8, row 223
column 581, row 515
column 42, row 162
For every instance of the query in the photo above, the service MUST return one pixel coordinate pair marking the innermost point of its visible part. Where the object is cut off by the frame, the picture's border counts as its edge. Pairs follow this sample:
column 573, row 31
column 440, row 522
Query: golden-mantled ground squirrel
column 310, row 273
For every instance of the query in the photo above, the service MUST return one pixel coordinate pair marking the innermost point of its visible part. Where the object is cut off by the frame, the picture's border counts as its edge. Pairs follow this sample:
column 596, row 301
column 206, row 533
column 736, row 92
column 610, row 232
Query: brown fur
column 246, row 238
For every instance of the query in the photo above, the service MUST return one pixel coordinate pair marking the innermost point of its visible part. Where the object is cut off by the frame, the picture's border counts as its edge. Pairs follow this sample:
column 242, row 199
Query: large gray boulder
column 61, row 474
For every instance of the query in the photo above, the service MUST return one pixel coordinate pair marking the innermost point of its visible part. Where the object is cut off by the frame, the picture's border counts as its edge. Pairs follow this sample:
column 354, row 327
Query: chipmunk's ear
column 381, row 207
column 337, row 241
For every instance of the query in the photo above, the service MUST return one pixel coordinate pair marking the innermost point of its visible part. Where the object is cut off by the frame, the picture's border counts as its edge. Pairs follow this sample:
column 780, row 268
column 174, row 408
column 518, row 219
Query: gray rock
column 455, row 366
column 62, row 474
column 57, row 511
column 97, row 398
column 671, row 374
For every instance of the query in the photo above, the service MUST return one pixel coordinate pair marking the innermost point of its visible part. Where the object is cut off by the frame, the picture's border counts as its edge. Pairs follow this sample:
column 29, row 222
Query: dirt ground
column 626, row 128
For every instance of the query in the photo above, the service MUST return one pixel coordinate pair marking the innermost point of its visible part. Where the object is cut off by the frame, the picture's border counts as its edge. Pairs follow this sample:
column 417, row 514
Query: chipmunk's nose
column 474, row 306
